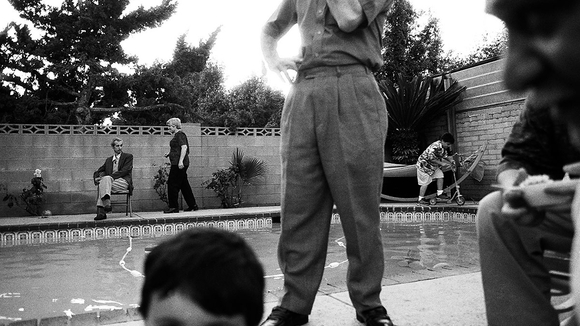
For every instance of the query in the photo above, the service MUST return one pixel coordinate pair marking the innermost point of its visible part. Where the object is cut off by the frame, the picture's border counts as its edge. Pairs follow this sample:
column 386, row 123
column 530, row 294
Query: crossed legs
column 108, row 185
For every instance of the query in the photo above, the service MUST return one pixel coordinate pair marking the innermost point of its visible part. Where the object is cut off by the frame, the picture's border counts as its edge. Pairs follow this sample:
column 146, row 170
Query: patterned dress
column 434, row 151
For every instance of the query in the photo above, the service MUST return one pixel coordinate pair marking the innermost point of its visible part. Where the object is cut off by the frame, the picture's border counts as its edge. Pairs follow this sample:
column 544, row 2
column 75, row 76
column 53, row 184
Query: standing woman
column 178, row 156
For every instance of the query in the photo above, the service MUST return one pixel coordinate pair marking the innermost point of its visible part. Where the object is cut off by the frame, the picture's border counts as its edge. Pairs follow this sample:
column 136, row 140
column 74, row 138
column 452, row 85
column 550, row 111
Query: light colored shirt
column 323, row 43
column 435, row 151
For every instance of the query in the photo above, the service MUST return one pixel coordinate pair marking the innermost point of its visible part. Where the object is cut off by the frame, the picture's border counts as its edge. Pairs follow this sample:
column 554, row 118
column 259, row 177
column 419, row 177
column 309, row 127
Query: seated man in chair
column 513, row 234
column 113, row 176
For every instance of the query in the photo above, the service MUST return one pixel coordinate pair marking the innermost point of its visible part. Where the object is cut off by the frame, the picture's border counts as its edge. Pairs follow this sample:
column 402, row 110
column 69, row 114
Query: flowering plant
column 161, row 178
column 32, row 197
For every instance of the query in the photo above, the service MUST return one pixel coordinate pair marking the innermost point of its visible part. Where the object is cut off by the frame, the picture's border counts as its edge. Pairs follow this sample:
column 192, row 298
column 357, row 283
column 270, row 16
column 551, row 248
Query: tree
column 253, row 104
column 408, row 50
column 189, row 87
column 488, row 49
column 62, row 74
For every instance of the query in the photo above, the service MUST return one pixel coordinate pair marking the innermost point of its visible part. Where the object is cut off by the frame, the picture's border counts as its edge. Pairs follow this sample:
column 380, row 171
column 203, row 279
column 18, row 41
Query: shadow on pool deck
column 440, row 299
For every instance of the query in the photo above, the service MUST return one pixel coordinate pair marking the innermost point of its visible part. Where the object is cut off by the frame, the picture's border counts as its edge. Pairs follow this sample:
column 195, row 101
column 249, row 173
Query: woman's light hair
column 174, row 122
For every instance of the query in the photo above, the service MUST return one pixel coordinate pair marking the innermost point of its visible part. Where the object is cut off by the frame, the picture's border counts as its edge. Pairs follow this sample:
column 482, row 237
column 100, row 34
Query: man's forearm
column 183, row 153
column 269, row 46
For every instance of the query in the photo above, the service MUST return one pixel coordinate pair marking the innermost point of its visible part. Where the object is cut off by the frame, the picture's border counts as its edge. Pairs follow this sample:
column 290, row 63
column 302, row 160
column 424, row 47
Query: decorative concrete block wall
column 68, row 156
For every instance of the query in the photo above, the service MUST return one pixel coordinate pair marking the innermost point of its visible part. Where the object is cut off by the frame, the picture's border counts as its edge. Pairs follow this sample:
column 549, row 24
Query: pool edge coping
column 40, row 225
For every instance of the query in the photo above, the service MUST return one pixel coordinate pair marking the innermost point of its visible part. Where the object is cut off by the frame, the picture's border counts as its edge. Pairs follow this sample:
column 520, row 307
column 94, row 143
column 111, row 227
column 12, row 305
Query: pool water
column 55, row 279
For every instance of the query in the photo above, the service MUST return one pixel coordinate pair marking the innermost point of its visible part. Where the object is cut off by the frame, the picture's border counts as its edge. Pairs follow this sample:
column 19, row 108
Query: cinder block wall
column 68, row 156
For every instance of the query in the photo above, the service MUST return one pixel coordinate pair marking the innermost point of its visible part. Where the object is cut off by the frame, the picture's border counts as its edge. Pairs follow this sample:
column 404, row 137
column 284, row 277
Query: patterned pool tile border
column 34, row 234
column 409, row 214
column 33, row 237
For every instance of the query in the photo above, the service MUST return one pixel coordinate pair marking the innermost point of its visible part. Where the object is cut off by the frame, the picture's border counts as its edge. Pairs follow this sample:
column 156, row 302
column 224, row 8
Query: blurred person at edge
column 543, row 56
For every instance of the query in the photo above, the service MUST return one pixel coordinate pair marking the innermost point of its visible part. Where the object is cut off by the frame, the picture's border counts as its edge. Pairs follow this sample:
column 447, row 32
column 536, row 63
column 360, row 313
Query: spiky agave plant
column 412, row 104
column 246, row 169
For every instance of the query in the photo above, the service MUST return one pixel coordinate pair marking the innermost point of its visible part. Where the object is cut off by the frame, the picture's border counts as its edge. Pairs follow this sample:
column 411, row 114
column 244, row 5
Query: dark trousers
column 178, row 181
column 516, row 282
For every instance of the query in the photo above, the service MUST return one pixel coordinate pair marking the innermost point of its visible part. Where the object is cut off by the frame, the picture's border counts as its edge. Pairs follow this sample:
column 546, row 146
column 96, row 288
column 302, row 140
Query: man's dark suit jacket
column 125, row 169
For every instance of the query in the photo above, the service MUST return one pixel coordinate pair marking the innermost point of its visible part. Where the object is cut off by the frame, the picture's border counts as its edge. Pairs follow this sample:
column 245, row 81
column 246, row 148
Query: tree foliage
column 407, row 49
column 412, row 104
column 254, row 104
column 488, row 49
column 178, row 88
column 63, row 73
column 68, row 73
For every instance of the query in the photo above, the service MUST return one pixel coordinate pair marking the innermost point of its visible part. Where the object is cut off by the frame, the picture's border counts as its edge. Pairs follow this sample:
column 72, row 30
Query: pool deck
column 446, row 300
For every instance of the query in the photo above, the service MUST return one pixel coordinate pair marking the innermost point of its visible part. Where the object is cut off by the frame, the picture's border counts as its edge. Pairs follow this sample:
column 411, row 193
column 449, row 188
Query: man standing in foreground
column 544, row 57
column 113, row 176
column 334, row 125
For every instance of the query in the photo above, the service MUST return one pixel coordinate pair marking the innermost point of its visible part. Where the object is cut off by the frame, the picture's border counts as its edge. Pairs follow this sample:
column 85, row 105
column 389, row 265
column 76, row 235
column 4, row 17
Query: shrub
column 32, row 198
column 161, row 178
column 228, row 183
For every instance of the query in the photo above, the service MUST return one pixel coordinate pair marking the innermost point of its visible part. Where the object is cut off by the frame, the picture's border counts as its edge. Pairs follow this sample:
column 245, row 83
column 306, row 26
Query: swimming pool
column 93, row 270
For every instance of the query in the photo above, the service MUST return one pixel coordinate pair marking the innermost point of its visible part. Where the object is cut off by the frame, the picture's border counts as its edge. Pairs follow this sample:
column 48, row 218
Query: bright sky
column 462, row 23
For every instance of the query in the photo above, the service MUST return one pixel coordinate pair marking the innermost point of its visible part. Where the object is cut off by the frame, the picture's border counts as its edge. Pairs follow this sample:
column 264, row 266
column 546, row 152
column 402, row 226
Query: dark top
column 125, row 169
column 175, row 144
column 323, row 43
column 538, row 143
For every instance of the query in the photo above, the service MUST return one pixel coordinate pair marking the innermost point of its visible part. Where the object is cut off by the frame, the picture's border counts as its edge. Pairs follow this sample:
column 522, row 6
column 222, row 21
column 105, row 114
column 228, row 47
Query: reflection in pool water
column 54, row 279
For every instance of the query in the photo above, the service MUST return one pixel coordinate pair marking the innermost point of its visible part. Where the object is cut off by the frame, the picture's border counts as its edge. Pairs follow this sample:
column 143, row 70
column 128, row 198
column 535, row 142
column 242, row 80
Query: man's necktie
column 115, row 164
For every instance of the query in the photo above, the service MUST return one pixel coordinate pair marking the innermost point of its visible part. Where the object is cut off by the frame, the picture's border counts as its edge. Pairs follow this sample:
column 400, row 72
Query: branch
column 137, row 108
column 16, row 80
column 57, row 103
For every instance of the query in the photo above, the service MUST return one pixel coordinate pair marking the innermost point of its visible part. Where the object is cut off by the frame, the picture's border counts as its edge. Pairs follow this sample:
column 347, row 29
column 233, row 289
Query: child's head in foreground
column 202, row 276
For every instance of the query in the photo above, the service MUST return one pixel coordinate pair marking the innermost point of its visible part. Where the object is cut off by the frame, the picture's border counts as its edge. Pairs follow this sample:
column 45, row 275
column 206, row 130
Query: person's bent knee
column 106, row 178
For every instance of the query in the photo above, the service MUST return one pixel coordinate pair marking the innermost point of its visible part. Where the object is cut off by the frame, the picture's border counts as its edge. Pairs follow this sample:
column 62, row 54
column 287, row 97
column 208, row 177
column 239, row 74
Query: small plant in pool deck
column 32, row 198
column 161, row 178
column 228, row 182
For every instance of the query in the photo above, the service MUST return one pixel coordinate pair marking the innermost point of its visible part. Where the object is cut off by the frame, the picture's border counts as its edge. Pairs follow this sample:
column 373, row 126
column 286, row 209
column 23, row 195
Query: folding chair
column 128, row 204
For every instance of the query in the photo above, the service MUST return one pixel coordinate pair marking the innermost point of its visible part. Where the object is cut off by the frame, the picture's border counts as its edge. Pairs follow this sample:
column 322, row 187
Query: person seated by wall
column 203, row 276
column 430, row 165
column 113, row 176
column 513, row 235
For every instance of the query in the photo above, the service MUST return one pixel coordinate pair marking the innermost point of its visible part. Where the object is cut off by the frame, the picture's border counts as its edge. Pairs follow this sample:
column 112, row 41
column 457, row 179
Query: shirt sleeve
column 283, row 18
column 181, row 140
column 531, row 144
